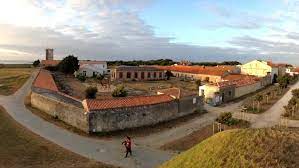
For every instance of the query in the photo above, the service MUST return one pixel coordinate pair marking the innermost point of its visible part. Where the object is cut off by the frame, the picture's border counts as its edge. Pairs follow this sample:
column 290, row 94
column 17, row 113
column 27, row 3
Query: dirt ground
column 196, row 137
column 11, row 79
column 21, row 148
column 72, row 86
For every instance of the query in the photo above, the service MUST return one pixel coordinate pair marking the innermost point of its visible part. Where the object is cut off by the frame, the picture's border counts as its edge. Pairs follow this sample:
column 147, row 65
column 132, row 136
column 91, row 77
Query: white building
column 92, row 68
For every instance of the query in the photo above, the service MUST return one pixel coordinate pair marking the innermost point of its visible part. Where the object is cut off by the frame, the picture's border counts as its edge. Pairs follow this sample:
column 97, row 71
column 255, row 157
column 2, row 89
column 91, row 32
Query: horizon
column 198, row 31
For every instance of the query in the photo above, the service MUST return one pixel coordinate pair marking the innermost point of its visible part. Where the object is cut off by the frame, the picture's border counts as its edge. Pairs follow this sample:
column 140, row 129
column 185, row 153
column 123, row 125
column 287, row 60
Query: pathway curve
column 272, row 116
column 110, row 152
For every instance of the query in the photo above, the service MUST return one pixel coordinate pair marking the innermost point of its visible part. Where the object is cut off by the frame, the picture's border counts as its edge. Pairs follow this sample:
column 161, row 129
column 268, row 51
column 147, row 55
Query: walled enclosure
column 59, row 106
column 131, row 117
column 46, row 97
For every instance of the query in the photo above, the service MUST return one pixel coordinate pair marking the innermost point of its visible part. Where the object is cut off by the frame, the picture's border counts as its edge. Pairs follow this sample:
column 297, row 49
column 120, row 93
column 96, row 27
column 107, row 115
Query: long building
column 203, row 73
column 138, row 73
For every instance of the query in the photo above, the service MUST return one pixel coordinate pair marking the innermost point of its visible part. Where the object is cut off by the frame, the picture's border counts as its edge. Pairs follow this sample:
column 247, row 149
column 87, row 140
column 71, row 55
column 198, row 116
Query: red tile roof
column 126, row 102
column 295, row 70
column 206, row 70
column 45, row 80
column 50, row 62
column 238, row 81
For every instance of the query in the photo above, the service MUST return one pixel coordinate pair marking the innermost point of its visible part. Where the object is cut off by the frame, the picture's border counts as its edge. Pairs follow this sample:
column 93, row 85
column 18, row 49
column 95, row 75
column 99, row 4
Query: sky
column 195, row 30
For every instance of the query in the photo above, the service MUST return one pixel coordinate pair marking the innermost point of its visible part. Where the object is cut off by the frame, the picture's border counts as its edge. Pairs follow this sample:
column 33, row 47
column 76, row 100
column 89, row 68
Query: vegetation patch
column 243, row 148
column 21, row 148
column 292, row 109
column 198, row 136
column 11, row 79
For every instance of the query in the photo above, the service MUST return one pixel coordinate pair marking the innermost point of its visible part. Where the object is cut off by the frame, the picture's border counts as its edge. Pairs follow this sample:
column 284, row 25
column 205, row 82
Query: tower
column 49, row 54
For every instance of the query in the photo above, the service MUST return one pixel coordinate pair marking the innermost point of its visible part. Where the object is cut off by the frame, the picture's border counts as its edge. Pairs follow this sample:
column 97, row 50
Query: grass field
column 11, row 79
column 243, row 148
column 21, row 148
column 198, row 136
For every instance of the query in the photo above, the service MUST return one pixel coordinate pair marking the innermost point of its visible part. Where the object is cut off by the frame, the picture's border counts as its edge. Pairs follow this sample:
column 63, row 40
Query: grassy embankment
column 243, row 148
column 11, row 79
column 22, row 148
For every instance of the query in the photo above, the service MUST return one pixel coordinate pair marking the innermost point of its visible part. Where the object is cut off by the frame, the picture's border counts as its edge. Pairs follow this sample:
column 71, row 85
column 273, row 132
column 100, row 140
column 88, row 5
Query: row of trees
column 162, row 62
column 292, row 108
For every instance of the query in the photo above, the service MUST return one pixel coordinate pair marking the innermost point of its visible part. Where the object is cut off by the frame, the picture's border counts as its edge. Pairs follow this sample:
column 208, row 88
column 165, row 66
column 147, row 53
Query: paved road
column 272, row 116
column 110, row 152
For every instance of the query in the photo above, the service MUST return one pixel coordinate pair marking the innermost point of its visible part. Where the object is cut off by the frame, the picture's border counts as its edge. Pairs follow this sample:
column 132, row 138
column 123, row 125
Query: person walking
column 128, row 145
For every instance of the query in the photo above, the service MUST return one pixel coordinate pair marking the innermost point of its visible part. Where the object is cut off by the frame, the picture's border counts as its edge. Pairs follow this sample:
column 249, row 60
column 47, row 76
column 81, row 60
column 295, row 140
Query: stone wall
column 123, row 118
column 64, row 108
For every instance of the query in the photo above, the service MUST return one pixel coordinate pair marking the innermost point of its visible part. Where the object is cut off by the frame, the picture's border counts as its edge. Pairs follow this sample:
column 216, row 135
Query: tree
column 36, row 63
column 69, row 65
column 258, row 98
column 119, row 91
column 295, row 93
column 283, row 81
column 168, row 74
column 91, row 92
column 268, row 94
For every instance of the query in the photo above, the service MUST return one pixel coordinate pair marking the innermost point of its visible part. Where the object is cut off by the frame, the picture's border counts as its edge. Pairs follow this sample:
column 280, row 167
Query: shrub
column 81, row 78
column 295, row 93
column 91, row 92
column 36, row 63
column 227, row 119
column 119, row 91
column 51, row 68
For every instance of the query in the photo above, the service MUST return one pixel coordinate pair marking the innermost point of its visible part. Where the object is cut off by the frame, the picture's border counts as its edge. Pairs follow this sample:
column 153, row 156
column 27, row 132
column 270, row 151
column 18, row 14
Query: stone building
column 49, row 54
column 139, row 73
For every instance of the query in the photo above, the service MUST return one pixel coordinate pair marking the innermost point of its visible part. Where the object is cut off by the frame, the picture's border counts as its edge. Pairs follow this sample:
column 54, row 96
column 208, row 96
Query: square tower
column 49, row 54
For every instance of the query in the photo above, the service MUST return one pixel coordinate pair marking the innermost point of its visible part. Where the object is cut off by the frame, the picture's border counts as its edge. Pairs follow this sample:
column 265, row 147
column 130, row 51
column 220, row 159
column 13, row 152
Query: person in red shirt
column 128, row 145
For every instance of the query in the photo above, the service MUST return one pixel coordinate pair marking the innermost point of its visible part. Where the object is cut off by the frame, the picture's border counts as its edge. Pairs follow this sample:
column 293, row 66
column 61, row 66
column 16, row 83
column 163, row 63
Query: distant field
column 11, row 79
column 22, row 148
column 243, row 148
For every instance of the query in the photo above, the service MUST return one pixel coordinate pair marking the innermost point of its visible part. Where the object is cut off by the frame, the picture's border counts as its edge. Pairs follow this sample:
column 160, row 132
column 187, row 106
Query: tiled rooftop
column 93, row 104
column 45, row 80
column 238, row 81
column 206, row 70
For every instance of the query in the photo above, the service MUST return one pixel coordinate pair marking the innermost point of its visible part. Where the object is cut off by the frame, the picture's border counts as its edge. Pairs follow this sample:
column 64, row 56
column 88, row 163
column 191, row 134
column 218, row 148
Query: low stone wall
column 64, row 108
column 131, row 117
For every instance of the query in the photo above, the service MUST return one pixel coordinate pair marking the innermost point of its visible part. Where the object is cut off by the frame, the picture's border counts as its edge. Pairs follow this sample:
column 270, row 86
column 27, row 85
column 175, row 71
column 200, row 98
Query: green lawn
column 11, row 79
column 243, row 148
column 21, row 148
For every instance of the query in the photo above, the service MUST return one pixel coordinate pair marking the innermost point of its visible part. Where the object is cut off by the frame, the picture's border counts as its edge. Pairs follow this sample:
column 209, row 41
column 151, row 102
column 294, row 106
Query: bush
column 36, row 63
column 91, row 92
column 81, row 78
column 119, row 91
column 227, row 119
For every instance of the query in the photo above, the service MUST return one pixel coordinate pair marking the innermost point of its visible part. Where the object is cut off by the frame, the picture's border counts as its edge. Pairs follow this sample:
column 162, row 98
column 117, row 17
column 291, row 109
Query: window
column 128, row 75
column 142, row 75
column 136, row 75
column 120, row 75
column 84, row 73
column 230, row 93
column 148, row 75
column 155, row 74
column 160, row 75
